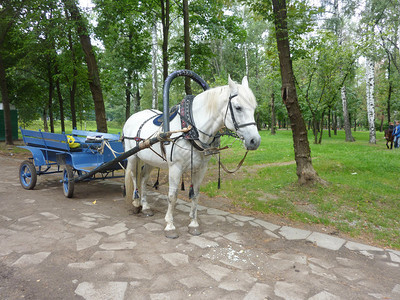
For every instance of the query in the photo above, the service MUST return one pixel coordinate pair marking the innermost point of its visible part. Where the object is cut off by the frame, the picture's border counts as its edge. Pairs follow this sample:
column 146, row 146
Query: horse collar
column 187, row 117
column 186, row 113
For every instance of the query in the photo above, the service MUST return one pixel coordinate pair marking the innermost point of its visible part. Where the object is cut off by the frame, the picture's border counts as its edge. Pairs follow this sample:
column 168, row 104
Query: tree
column 7, row 16
column 338, row 30
column 154, row 103
column 165, row 21
column 124, row 29
column 305, row 171
column 91, row 61
column 370, row 76
column 185, row 9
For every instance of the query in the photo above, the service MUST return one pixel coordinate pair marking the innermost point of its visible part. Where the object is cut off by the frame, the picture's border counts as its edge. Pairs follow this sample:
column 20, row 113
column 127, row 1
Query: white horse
column 230, row 106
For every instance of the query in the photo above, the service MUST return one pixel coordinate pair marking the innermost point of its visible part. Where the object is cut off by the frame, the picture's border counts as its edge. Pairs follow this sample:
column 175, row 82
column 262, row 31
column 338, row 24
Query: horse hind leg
column 131, row 198
column 145, row 174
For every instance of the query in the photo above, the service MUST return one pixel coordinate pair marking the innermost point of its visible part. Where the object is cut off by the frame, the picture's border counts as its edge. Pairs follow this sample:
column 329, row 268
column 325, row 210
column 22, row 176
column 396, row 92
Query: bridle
column 235, row 123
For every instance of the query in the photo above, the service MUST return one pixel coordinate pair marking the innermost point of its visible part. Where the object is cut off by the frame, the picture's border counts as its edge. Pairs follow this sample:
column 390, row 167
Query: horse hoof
column 194, row 231
column 147, row 212
column 171, row 234
column 135, row 210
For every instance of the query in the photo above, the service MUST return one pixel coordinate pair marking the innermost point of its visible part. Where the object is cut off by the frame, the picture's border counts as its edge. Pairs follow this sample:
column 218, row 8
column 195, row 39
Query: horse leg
column 197, row 179
column 146, row 210
column 175, row 174
column 130, row 185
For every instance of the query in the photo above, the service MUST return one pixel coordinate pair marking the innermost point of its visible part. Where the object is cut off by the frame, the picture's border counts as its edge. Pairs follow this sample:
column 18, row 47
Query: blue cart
column 76, row 156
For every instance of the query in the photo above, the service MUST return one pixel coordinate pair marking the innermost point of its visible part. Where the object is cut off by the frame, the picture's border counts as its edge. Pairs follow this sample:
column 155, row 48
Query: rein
column 237, row 167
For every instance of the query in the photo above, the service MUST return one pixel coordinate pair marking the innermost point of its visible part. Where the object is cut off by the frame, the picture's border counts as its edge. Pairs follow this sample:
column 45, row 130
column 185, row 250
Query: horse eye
column 238, row 108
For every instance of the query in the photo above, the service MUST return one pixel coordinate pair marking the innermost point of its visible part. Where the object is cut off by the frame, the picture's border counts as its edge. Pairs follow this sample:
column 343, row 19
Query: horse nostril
column 252, row 142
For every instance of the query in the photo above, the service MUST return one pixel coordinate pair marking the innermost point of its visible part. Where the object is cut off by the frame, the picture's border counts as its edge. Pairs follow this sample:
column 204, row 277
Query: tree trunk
column 347, row 125
column 329, row 122
column 6, row 103
column 72, row 88
column 94, row 76
column 51, row 92
column 246, row 59
column 315, row 128
column 165, row 28
column 128, row 94
column 334, row 122
column 5, row 97
column 305, row 170
column 390, row 90
column 370, row 99
column 45, row 125
column 61, row 104
column 188, row 88
column 154, row 103
column 136, row 106
column 273, row 121
column 72, row 93
column 322, row 128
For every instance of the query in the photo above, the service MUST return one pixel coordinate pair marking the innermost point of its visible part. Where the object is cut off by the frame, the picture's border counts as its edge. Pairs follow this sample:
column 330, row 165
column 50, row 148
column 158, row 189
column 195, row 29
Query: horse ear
column 232, row 85
column 245, row 82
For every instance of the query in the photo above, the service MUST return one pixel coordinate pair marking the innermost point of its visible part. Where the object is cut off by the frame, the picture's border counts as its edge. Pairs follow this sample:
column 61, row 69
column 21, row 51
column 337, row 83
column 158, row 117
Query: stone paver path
column 89, row 247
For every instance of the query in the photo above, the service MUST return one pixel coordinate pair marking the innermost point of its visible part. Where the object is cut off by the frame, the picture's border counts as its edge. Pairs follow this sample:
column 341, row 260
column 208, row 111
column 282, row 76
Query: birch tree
column 336, row 24
column 370, row 84
column 347, row 125
column 154, row 103
column 185, row 10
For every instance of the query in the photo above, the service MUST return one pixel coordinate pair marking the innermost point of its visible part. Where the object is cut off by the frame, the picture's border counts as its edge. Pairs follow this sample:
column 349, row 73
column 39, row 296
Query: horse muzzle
column 252, row 143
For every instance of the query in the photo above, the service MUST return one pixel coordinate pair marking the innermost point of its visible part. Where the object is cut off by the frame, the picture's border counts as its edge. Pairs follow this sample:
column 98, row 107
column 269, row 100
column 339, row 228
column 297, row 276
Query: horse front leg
column 175, row 174
column 194, row 228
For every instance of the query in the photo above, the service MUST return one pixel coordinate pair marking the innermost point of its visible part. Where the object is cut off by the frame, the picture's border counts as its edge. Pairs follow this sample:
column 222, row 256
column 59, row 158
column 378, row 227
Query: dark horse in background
column 389, row 138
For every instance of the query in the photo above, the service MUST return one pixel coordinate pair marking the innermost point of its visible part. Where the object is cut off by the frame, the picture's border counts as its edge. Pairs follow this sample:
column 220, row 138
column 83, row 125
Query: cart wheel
column 68, row 181
column 27, row 175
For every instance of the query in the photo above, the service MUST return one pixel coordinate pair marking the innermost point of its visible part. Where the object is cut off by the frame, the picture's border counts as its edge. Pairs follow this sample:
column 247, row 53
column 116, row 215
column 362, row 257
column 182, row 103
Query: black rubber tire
column 27, row 175
column 68, row 181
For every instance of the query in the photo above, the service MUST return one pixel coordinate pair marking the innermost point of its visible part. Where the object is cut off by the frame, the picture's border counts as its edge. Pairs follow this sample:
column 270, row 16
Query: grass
column 362, row 198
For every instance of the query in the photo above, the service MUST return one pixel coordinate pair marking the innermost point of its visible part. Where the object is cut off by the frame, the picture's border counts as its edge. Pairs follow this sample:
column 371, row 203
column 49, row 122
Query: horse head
column 239, row 114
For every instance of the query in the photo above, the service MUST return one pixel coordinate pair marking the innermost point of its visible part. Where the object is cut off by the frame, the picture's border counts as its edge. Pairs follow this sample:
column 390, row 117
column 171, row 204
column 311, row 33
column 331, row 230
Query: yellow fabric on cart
column 71, row 142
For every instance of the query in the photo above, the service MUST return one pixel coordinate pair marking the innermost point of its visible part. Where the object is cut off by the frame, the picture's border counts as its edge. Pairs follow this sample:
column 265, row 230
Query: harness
column 185, row 111
column 186, row 114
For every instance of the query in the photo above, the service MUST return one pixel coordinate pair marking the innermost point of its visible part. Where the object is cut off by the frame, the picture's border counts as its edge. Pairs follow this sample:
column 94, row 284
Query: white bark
column 154, row 104
column 370, row 99
column 246, row 60
column 347, row 126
